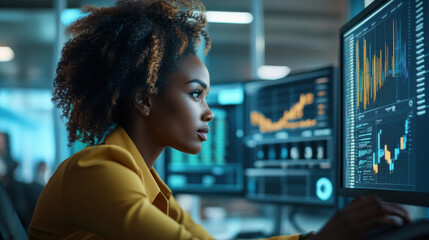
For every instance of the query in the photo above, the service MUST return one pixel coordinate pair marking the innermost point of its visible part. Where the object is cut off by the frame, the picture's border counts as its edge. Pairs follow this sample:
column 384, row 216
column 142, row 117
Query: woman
column 130, row 84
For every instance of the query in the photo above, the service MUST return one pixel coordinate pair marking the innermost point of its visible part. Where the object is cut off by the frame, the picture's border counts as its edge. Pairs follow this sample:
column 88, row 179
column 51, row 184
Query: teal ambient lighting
column 231, row 96
column 68, row 16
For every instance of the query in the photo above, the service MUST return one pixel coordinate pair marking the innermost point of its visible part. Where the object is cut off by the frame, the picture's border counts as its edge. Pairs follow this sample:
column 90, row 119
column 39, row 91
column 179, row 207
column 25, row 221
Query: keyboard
column 416, row 230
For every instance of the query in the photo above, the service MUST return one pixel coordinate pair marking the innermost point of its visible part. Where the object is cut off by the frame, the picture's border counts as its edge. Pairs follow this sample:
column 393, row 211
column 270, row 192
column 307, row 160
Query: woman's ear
column 141, row 101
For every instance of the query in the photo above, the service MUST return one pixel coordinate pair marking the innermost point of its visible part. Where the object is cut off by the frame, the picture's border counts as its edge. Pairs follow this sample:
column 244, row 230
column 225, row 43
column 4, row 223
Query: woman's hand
column 361, row 216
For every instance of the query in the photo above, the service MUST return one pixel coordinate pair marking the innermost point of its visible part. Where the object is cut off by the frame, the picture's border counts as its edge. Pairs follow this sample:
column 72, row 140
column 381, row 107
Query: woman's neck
column 145, row 143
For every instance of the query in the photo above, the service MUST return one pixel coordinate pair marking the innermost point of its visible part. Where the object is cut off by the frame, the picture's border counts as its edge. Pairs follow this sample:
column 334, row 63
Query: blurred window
column 27, row 116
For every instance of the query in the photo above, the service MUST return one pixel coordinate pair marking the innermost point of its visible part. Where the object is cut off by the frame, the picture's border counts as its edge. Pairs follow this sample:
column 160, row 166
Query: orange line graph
column 295, row 112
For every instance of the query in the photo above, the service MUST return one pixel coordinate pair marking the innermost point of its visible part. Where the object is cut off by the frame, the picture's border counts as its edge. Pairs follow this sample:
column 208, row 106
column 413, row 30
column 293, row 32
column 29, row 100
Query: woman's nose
column 208, row 115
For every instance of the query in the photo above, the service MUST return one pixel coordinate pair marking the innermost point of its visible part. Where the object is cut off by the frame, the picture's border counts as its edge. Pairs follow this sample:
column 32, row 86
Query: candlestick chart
column 391, row 156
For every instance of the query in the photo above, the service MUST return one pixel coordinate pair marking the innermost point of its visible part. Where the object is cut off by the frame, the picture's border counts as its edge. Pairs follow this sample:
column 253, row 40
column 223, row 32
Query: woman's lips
column 202, row 135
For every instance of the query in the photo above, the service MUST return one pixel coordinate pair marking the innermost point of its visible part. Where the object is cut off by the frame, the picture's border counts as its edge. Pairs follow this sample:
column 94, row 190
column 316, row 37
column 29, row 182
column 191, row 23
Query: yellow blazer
column 108, row 192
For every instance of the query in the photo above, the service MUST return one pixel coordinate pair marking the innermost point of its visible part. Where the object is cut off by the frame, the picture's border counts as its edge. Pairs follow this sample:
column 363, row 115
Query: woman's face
column 180, row 115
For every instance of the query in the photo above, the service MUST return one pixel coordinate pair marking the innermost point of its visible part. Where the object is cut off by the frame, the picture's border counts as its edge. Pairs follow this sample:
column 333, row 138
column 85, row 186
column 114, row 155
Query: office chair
column 10, row 225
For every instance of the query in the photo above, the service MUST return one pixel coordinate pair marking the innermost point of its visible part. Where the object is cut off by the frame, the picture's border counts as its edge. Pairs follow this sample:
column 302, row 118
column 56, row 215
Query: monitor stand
column 416, row 230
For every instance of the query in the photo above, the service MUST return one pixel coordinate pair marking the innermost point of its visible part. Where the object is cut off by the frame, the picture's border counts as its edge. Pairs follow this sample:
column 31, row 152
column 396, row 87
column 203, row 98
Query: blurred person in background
column 19, row 194
column 41, row 174
column 15, row 189
column 23, row 196
column 130, row 83
column 4, row 153
column 3, row 169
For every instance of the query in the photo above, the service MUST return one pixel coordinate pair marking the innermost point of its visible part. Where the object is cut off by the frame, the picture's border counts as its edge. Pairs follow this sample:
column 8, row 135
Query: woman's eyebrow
column 203, row 84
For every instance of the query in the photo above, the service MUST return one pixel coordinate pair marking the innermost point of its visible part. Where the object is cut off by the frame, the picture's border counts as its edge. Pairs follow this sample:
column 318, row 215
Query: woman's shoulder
column 104, row 156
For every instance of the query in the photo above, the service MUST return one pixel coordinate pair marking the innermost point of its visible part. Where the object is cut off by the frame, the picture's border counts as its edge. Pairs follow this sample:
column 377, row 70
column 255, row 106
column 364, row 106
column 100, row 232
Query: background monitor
column 218, row 168
column 290, row 139
column 385, row 118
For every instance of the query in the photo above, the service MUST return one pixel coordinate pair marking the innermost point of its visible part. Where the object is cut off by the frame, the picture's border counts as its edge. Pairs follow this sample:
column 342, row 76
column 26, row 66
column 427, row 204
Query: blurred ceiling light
column 273, row 72
column 6, row 54
column 70, row 15
column 229, row 17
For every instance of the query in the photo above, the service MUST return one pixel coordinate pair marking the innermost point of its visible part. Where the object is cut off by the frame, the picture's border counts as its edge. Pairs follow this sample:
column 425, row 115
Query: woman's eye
column 195, row 94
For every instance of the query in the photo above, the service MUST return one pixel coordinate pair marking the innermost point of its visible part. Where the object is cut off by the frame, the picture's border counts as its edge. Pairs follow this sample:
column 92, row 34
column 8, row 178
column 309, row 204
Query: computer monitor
column 290, row 139
column 218, row 168
column 385, row 120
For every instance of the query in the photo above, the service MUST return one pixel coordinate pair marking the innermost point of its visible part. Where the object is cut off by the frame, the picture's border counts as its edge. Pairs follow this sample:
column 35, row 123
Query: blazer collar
column 153, row 183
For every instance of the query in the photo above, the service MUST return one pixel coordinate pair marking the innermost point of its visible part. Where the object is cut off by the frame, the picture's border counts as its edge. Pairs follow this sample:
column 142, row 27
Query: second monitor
column 290, row 136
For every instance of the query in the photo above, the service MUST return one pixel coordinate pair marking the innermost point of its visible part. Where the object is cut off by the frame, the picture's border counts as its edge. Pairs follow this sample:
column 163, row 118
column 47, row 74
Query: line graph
column 295, row 112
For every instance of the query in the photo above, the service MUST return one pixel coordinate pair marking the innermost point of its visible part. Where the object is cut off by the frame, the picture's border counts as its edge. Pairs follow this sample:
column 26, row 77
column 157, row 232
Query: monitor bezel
column 405, row 197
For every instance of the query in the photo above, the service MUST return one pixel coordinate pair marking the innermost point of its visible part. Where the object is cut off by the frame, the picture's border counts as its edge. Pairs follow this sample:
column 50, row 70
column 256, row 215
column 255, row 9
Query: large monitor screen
column 290, row 139
column 218, row 168
column 385, row 120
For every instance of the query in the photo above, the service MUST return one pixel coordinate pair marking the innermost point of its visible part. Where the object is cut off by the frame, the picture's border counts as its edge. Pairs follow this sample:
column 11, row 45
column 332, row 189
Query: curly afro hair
column 113, row 50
